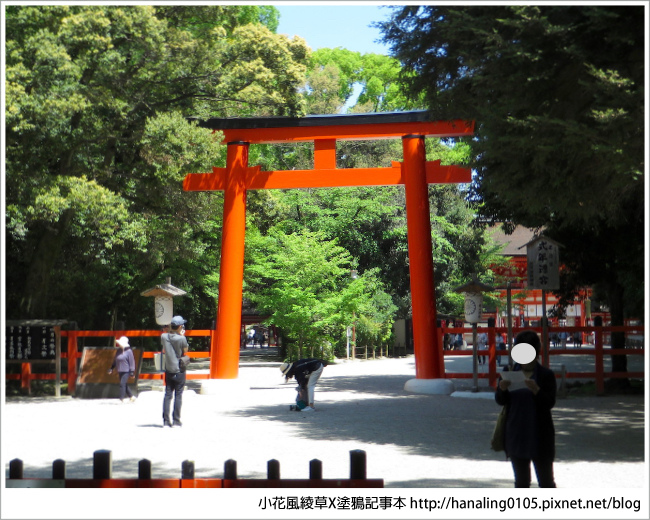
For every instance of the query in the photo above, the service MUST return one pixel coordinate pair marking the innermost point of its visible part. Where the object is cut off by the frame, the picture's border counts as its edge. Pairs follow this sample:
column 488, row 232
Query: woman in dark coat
column 529, row 432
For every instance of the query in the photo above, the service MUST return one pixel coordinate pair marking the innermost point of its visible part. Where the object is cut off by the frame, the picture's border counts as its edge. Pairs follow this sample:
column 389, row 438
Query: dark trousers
column 543, row 469
column 174, row 385
column 124, row 387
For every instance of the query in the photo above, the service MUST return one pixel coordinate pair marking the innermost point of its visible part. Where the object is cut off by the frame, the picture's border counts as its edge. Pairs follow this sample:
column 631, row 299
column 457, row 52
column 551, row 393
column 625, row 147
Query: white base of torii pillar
column 430, row 386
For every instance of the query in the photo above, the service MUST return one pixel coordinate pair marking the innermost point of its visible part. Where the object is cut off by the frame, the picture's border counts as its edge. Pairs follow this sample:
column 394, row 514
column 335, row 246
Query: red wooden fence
column 598, row 351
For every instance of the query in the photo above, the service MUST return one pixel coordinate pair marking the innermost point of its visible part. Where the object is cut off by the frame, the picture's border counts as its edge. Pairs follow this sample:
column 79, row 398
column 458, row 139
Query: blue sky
column 335, row 25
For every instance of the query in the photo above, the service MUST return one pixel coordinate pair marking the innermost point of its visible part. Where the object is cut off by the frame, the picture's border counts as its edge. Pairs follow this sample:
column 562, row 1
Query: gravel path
column 411, row 441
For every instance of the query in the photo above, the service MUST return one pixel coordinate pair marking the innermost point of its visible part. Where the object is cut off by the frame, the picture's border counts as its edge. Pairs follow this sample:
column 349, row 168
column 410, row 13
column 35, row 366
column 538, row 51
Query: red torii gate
column 415, row 173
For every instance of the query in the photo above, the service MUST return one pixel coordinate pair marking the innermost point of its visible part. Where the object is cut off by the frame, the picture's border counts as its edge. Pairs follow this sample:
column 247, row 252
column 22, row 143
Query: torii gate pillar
column 428, row 358
column 223, row 364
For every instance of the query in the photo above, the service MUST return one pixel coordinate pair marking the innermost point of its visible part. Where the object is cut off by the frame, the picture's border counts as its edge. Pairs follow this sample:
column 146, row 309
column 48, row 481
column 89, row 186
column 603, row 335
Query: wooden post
column 224, row 356
column 72, row 361
column 492, row 354
column 324, row 154
column 57, row 384
column 418, row 222
column 598, row 344
column 354, row 336
column 102, row 464
column 273, row 470
column 510, row 338
column 474, row 358
column 546, row 357
column 187, row 470
column 230, row 470
column 26, row 378
column 441, row 331
column 144, row 469
column 16, row 469
column 357, row 465
column 315, row 469
column 58, row 469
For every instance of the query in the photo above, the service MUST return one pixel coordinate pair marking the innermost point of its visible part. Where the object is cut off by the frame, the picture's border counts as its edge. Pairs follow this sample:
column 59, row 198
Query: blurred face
column 524, row 354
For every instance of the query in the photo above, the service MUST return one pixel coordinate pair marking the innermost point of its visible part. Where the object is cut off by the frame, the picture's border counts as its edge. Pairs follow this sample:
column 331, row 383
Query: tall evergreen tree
column 558, row 96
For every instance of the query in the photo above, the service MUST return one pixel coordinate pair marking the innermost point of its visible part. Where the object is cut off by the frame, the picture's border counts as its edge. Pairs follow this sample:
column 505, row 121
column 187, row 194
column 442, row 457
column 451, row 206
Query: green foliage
column 98, row 143
column 377, row 75
column 347, row 63
column 98, row 104
column 367, row 222
column 322, row 94
column 264, row 70
column 376, row 313
column 560, row 133
column 295, row 276
column 203, row 19
column 556, row 107
column 171, row 146
column 302, row 280
column 97, row 211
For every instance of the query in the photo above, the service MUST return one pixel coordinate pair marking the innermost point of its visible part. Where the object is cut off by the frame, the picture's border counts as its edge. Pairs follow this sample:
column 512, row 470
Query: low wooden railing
column 102, row 476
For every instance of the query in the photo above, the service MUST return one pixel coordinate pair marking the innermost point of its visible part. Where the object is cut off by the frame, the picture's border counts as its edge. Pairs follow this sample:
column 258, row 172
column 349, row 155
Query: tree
column 302, row 280
column 556, row 106
column 374, row 316
column 294, row 277
column 556, row 92
column 379, row 77
column 322, row 93
column 201, row 20
column 98, row 143
column 348, row 64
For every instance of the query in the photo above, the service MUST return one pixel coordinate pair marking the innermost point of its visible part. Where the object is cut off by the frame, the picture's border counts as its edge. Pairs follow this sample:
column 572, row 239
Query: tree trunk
column 34, row 303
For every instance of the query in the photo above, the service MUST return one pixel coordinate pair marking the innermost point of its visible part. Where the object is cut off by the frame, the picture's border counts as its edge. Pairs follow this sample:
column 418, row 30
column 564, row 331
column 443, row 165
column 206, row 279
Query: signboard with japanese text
column 543, row 264
column 28, row 342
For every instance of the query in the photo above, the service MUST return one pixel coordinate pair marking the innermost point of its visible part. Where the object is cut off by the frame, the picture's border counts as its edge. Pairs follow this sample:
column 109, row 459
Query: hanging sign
column 543, row 264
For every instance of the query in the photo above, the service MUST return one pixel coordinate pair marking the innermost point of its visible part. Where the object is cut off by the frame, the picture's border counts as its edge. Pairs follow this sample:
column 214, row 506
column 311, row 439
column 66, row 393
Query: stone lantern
column 163, row 301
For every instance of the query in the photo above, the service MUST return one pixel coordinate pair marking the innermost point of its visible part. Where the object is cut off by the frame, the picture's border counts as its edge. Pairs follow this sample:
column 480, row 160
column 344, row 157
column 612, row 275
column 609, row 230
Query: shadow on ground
column 377, row 410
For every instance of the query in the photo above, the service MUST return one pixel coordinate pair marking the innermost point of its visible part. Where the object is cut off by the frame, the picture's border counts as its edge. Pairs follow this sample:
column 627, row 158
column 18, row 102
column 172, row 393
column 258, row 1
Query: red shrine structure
column 414, row 172
column 527, row 302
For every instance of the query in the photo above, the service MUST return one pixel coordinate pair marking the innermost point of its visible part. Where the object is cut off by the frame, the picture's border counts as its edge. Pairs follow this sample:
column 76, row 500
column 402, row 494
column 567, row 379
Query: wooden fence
column 597, row 350
column 102, row 476
column 73, row 354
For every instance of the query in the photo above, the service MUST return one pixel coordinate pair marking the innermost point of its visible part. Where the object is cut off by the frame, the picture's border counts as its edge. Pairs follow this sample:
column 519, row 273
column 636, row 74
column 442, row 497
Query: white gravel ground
column 411, row 441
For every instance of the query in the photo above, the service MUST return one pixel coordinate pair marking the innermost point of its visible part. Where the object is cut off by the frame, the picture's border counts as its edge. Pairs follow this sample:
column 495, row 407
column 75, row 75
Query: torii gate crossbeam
column 415, row 173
